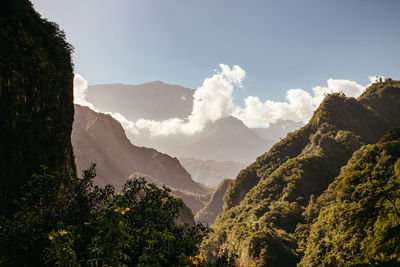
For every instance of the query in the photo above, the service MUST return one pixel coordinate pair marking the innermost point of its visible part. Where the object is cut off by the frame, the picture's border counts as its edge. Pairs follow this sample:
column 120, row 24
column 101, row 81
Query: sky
column 281, row 45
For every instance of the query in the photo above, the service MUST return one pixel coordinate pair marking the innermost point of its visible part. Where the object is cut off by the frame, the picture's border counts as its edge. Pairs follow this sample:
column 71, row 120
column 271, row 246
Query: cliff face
column 36, row 97
column 101, row 139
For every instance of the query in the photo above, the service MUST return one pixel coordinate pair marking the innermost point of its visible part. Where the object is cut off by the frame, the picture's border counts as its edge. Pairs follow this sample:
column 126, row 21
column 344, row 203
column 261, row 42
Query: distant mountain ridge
column 278, row 130
column 227, row 139
column 210, row 172
column 214, row 206
column 155, row 100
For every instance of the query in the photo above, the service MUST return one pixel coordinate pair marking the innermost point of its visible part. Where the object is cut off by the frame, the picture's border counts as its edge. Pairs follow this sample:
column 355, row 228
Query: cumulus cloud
column 256, row 113
column 214, row 100
column 80, row 96
column 299, row 104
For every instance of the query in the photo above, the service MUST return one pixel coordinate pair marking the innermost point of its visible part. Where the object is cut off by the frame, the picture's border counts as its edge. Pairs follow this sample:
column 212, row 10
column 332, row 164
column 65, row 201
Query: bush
column 65, row 221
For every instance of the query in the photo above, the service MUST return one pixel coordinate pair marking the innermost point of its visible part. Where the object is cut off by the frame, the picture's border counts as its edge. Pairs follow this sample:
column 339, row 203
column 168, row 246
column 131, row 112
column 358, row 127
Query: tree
column 65, row 221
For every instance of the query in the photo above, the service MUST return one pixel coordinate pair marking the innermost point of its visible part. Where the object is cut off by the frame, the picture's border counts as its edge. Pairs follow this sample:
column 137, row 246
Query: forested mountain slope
column 358, row 221
column 264, row 219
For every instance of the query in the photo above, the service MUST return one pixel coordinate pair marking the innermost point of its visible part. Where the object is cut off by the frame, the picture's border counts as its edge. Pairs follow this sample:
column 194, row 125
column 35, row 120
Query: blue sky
column 280, row 44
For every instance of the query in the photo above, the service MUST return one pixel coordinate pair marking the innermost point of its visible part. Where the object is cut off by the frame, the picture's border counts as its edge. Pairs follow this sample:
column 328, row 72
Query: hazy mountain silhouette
column 278, row 130
column 154, row 100
column 99, row 138
column 211, row 172
column 223, row 140
column 214, row 206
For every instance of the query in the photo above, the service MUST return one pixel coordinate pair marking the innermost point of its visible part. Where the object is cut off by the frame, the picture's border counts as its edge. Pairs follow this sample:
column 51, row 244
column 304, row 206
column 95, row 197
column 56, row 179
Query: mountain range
column 227, row 139
column 99, row 138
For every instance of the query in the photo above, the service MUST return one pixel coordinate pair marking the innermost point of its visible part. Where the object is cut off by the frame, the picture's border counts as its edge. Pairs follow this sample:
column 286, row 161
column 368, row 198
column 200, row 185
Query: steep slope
column 264, row 206
column 336, row 112
column 210, row 172
column 36, row 102
column 213, row 207
column 101, row 139
column 359, row 223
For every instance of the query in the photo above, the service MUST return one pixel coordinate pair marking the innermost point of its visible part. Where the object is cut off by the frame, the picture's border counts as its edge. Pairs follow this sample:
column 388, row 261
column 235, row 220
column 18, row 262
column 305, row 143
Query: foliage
column 277, row 193
column 382, row 97
column 359, row 222
column 66, row 221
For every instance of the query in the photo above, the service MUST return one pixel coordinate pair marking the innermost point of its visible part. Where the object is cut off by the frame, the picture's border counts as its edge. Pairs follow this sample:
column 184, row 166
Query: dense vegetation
column 86, row 224
column 270, row 207
column 36, row 109
column 359, row 220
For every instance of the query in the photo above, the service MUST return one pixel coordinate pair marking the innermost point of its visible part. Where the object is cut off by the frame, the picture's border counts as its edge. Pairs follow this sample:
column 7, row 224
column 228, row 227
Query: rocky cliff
column 36, row 97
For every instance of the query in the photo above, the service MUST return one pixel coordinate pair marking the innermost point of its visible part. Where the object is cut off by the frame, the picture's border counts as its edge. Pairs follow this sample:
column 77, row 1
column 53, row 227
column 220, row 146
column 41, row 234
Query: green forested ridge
column 359, row 220
column 36, row 109
column 383, row 98
column 275, row 191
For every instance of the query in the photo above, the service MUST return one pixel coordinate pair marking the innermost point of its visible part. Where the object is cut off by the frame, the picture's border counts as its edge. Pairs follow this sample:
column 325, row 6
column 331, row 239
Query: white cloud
column 349, row 88
column 299, row 105
column 80, row 88
column 214, row 100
